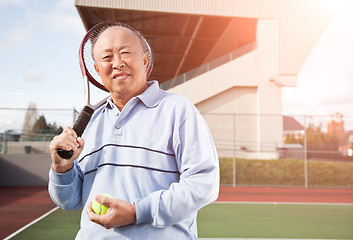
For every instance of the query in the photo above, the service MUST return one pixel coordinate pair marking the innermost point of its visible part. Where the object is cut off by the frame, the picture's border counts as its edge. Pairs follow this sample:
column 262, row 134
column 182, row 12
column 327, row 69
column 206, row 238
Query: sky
column 39, row 63
column 39, row 59
column 325, row 82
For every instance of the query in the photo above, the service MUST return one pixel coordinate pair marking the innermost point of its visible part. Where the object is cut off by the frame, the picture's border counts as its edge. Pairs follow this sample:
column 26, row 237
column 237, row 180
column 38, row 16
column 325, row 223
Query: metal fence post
column 5, row 142
column 234, row 153
column 305, row 155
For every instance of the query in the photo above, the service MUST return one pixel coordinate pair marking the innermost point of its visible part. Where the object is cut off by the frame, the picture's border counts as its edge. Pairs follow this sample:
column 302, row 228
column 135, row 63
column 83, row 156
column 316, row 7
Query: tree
column 35, row 125
column 30, row 117
column 314, row 134
column 41, row 126
column 319, row 143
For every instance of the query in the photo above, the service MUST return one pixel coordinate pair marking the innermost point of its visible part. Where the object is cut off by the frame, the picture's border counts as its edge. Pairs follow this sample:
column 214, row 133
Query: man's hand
column 67, row 140
column 120, row 213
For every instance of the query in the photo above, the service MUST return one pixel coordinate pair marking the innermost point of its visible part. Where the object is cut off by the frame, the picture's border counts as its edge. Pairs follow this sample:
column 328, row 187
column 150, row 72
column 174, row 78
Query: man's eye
column 106, row 57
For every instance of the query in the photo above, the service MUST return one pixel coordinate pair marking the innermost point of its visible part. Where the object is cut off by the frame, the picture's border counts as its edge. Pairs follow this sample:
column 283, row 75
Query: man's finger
column 70, row 131
column 96, row 218
column 92, row 216
column 104, row 200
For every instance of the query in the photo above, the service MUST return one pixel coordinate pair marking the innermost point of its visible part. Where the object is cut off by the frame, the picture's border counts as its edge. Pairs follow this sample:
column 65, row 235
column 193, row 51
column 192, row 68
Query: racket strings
column 89, row 61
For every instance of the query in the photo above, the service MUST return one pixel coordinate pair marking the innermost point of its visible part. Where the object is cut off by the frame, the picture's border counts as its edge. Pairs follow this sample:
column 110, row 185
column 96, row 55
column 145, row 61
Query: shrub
column 286, row 172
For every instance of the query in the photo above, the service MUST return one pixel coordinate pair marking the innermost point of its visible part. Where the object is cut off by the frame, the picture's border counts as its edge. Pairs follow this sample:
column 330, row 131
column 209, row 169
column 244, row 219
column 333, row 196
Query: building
column 292, row 127
column 346, row 146
column 229, row 57
column 335, row 127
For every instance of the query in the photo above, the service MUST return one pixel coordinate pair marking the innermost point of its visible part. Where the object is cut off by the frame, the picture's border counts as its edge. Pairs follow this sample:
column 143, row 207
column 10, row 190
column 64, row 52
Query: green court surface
column 232, row 220
column 302, row 221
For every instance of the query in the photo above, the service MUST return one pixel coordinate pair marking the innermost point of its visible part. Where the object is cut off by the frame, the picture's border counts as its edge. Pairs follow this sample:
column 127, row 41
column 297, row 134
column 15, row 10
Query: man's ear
column 96, row 68
column 145, row 61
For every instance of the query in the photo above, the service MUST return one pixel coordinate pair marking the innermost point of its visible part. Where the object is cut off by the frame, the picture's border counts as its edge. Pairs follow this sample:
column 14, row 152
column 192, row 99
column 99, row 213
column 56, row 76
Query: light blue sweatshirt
column 157, row 153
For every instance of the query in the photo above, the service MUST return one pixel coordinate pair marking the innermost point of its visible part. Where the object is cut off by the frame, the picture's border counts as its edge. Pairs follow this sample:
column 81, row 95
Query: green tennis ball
column 99, row 208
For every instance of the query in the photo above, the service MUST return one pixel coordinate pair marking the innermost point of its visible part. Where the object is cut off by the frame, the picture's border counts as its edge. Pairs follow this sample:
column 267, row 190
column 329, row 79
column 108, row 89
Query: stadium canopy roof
column 180, row 42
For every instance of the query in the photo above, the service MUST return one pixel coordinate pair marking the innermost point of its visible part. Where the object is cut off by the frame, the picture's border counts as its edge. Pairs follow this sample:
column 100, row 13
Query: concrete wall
column 24, row 169
column 240, row 122
column 239, row 72
column 246, row 95
column 29, row 147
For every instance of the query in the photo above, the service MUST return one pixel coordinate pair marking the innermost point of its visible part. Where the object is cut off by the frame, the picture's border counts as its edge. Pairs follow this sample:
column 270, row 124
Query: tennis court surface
column 240, row 213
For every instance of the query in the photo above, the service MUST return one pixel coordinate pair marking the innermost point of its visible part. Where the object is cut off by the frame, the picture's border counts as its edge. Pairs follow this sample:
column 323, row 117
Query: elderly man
column 151, row 150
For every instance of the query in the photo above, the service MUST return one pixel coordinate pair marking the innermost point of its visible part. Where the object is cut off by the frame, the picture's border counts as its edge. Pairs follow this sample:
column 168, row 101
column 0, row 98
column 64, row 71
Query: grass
column 276, row 221
column 286, row 172
column 236, row 220
column 58, row 225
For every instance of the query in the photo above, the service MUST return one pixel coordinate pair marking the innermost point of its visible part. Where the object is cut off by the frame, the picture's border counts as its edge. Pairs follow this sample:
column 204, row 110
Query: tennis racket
column 90, row 75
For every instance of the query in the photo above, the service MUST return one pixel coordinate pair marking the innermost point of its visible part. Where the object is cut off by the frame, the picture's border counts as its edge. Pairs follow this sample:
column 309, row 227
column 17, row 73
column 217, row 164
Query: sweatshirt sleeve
column 65, row 188
column 198, row 186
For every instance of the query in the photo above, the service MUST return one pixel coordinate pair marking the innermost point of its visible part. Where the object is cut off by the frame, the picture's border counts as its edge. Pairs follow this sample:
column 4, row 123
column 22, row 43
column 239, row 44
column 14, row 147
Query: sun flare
column 339, row 7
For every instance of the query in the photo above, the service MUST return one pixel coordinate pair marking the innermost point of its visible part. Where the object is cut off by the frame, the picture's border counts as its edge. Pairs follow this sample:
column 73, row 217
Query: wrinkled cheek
column 104, row 73
column 107, row 84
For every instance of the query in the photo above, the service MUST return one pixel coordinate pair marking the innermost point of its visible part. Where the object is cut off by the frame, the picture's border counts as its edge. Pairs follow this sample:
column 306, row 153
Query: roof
column 180, row 42
column 291, row 124
column 185, row 34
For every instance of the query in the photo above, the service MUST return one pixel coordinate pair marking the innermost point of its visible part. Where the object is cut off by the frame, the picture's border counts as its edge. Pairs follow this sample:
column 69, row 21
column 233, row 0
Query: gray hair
column 96, row 34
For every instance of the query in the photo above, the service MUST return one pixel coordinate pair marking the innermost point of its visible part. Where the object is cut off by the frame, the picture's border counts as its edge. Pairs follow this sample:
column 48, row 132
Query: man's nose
column 118, row 62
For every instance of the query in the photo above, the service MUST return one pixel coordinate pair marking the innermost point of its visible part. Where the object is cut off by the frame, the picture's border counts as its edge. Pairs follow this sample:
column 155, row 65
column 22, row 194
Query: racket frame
column 87, row 112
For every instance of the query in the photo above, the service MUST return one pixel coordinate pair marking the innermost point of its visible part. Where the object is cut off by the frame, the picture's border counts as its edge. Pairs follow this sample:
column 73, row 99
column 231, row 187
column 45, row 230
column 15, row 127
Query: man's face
column 121, row 62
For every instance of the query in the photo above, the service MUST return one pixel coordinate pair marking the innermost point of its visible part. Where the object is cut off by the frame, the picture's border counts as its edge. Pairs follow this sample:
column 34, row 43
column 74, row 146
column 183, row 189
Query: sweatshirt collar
column 151, row 97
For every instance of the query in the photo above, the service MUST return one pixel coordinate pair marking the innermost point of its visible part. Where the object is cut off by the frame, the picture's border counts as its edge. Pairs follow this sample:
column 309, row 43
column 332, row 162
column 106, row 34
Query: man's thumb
column 104, row 199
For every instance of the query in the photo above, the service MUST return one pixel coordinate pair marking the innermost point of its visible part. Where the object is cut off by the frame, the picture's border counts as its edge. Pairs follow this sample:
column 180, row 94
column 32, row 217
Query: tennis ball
column 99, row 208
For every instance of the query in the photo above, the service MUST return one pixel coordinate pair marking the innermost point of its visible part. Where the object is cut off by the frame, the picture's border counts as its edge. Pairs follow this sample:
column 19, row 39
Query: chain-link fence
column 15, row 139
column 254, row 150
column 276, row 150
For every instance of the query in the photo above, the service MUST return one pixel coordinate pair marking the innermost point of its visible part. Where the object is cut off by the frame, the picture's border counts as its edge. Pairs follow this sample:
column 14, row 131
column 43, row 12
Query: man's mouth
column 120, row 76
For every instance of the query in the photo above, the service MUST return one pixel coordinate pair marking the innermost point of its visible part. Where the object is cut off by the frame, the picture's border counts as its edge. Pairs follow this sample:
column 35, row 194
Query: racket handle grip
column 65, row 154
column 82, row 120
column 79, row 127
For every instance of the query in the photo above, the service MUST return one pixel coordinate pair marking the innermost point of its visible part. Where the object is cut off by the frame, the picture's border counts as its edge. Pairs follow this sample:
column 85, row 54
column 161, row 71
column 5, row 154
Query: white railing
column 208, row 66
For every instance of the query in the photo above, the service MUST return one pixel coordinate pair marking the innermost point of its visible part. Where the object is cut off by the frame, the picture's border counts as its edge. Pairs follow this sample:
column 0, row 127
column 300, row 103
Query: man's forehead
column 117, row 32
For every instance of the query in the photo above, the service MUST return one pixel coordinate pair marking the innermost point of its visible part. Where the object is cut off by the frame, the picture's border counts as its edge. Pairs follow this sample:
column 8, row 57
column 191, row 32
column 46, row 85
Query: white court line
column 30, row 224
column 265, row 239
column 285, row 203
